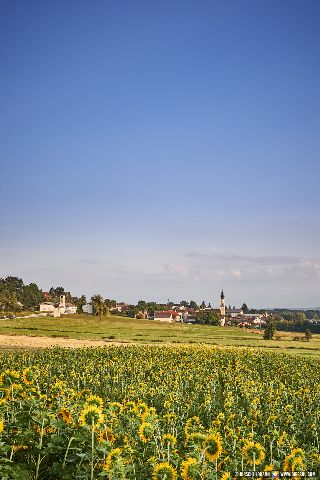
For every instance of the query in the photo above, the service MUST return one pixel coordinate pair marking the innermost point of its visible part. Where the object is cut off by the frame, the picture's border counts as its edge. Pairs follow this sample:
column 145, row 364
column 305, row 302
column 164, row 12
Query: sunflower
column 129, row 406
column 297, row 466
column 282, row 439
column 269, row 468
column 294, row 460
column 169, row 439
column 106, row 435
column 17, row 448
column 213, row 446
column 65, row 414
column 1, row 425
column 226, row 476
column 9, row 376
column 26, row 376
column 44, row 430
column 113, row 458
column 115, row 408
column 91, row 415
column 83, row 393
column 170, row 417
column 254, row 452
column 196, row 438
column 164, row 471
column 149, row 416
column 189, row 469
column 140, row 408
column 94, row 400
column 192, row 425
column 145, row 431
column 297, row 452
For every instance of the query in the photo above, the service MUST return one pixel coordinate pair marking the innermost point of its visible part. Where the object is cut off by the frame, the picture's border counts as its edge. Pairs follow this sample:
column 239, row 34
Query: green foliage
column 8, row 302
column 269, row 331
column 244, row 308
column 132, row 311
column 308, row 335
column 31, row 296
column 80, row 303
column 99, row 307
column 208, row 317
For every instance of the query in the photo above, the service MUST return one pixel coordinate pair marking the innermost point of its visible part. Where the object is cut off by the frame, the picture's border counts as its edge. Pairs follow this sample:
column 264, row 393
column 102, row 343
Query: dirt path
column 26, row 341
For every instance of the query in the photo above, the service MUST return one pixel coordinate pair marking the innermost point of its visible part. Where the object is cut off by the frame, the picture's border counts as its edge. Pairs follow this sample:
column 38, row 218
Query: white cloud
column 218, row 265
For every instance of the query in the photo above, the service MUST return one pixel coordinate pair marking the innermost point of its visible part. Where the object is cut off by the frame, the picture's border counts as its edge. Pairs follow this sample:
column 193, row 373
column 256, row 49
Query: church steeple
column 222, row 310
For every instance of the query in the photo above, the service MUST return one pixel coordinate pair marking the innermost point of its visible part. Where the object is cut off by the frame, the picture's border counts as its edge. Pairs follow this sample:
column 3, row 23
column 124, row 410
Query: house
column 120, row 307
column 87, row 308
column 58, row 309
column 233, row 312
column 70, row 308
column 48, row 307
column 167, row 316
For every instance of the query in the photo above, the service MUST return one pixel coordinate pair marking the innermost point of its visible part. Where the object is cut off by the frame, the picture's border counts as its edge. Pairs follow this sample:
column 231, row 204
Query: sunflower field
column 157, row 413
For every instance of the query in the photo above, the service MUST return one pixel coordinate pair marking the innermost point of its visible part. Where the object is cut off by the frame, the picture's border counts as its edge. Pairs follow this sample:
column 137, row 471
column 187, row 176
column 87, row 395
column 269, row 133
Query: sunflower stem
column 39, row 455
column 92, row 448
column 67, row 451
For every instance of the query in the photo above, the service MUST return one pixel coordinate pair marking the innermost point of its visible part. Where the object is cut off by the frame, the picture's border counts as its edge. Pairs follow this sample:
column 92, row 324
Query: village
column 20, row 300
column 176, row 312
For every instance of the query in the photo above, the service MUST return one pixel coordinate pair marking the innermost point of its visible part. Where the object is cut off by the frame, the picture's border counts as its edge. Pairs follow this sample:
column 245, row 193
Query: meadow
column 157, row 412
column 129, row 330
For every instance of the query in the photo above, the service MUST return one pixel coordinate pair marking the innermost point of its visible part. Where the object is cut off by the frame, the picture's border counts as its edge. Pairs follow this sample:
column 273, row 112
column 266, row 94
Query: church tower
column 222, row 310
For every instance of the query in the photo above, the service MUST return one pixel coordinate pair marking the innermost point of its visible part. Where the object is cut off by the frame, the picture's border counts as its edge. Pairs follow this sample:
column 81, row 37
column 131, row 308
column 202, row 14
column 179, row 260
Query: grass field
column 124, row 330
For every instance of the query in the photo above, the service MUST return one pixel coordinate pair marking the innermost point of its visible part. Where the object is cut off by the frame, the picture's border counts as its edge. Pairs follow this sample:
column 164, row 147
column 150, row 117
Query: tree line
column 15, row 295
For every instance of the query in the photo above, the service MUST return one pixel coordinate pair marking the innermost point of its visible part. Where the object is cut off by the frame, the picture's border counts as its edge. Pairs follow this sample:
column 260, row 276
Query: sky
column 162, row 150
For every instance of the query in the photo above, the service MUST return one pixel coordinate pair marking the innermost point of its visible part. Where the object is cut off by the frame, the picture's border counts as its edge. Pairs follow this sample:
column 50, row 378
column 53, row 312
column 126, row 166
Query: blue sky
column 155, row 150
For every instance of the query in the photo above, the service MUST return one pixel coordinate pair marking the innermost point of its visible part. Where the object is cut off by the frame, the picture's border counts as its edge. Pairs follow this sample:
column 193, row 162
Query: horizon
column 163, row 149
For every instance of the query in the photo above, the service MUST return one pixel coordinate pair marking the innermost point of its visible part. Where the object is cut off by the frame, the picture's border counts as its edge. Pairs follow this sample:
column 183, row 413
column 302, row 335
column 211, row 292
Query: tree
column 98, row 306
column 269, row 331
column 12, row 285
column 300, row 317
column 132, row 311
column 208, row 317
column 203, row 305
column 308, row 335
column 8, row 302
column 31, row 296
column 184, row 303
column 80, row 303
column 151, row 308
column 142, row 305
column 244, row 308
column 58, row 291
column 193, row 304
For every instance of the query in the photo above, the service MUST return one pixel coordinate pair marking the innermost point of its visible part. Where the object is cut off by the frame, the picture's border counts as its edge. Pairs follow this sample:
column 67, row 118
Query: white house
column 87, row 308
column 233, row 312
column 167, row 316
column 70, row 308
column 58, row 309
